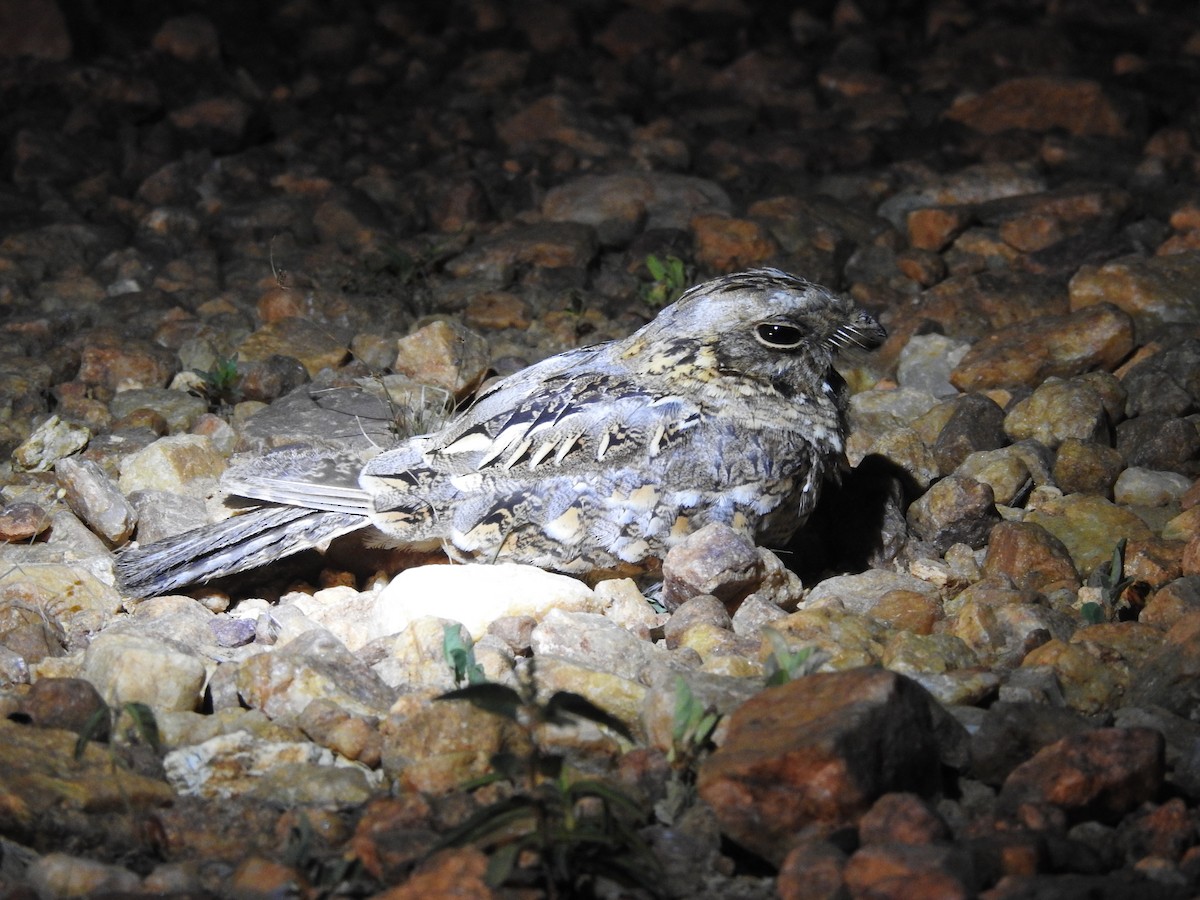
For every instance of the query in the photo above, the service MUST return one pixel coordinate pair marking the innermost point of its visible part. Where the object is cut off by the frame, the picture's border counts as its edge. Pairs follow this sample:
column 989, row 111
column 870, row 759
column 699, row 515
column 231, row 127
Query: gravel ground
column 974, row 673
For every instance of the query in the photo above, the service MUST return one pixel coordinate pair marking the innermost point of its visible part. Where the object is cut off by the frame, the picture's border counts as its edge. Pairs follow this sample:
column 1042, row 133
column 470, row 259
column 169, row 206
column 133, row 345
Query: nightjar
column 724, row 408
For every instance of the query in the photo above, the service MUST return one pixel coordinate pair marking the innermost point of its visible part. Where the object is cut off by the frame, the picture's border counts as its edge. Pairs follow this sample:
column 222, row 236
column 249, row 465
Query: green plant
column 461, row 657
column 785, row 664
column 221, row 385
column 691, row 738
column 693, row 725
column 1110, row 578
column 670, row 280
column 329, row 874
column 103, row 724
column 580, row 831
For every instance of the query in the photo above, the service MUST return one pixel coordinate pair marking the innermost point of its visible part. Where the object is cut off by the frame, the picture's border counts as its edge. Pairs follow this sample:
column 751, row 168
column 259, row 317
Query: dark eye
column 779, row 336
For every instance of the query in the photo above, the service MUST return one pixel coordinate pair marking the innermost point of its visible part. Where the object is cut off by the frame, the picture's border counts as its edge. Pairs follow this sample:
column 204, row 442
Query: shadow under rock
column 859, row 523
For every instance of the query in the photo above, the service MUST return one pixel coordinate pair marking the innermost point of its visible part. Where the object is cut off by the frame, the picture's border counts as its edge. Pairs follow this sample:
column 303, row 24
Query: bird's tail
column 234, row 545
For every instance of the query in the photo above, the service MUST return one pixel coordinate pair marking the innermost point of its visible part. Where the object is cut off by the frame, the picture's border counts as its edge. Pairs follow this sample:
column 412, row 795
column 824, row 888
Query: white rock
column 625, row 605
column 477, row 595
column 62, row 875
column 229, row 764
column 180, row 463
column 858, row 593
column 1148, row 487
column 349, row 615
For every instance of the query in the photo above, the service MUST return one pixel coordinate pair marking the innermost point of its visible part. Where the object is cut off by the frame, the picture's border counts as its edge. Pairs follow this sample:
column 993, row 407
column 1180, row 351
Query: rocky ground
column 977, row 673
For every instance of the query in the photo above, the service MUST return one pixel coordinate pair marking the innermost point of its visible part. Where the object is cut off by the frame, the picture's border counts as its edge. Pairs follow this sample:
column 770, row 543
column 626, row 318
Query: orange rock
column 934, row 227
column 1041, row 103
column 457, row 873
column 724, row 244
column 1031, row 557
column 818, row 751
column 1102, row 772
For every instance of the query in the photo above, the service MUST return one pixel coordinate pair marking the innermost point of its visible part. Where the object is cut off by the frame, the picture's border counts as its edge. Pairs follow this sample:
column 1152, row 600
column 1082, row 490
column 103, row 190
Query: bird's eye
column 779, row 335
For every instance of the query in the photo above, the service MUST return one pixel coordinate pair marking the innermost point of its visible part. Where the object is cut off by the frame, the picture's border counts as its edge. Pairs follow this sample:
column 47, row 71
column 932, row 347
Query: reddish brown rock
column 257, row 876
column 1190, row 562
column 1029, row 556
column 67, row 703
column 975, row 305
column 278, row 302
column 902, row 610
column 898, row 871
column 901, row 818
column 934, row 227
column 552, row 118
column 393, row 834
column 819, row 750
column 122, row 364
column 1172, row 602
column 550, row 245
column 224, row 116
column 1154, row 561
column 1105, row 772
column 191, row 38
column 458, row 873
column 812, row 870
column 1153, row 290
column 315, row 347
column 497, row 309
column 443, row 354
column 714, row 560
column 22, row 522
column 1041, row 103
column 1028, row 353
column 724, row 244
column 1165, row 831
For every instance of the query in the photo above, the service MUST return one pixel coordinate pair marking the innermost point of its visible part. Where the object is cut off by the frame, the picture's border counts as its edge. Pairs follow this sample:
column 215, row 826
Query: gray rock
column 1145, row 487
column 956, row 510
column 714, row 560
column 926, row 362
column 95, row 499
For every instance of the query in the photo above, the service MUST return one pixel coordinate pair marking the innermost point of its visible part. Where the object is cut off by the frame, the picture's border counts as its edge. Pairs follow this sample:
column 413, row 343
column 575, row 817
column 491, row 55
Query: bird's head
column 770, row 327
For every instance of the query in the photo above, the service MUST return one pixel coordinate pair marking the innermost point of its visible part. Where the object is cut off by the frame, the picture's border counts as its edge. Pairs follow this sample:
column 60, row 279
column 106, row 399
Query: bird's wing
column 570, row 421
column 319, row 478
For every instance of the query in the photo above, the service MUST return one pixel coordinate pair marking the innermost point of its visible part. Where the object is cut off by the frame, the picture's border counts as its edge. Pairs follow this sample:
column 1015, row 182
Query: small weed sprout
column 461, row 657
column 670, row 280
column 102, row 726
column 1110, row 578
column 785, row 664
column 691, row 739
column 579, row 830
column 221, row 386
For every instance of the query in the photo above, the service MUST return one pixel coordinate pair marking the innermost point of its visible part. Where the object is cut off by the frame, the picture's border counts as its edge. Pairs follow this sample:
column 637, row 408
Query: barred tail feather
column 234, row 545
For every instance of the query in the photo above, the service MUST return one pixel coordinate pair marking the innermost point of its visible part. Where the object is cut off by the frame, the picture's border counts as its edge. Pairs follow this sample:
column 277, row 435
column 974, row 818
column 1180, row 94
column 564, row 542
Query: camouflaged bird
column 724, row 408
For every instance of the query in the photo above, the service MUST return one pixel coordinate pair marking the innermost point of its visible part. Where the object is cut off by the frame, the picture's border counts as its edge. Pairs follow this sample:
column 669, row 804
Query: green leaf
column 96, row 728
column 1093, row 613
column 655, row 267
column 145, row 723
column 501, row 864
column 685, row 710
column 461, row 656
column 497, row 699
column 591, row 787
column 564, row 703
column 490, row 819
